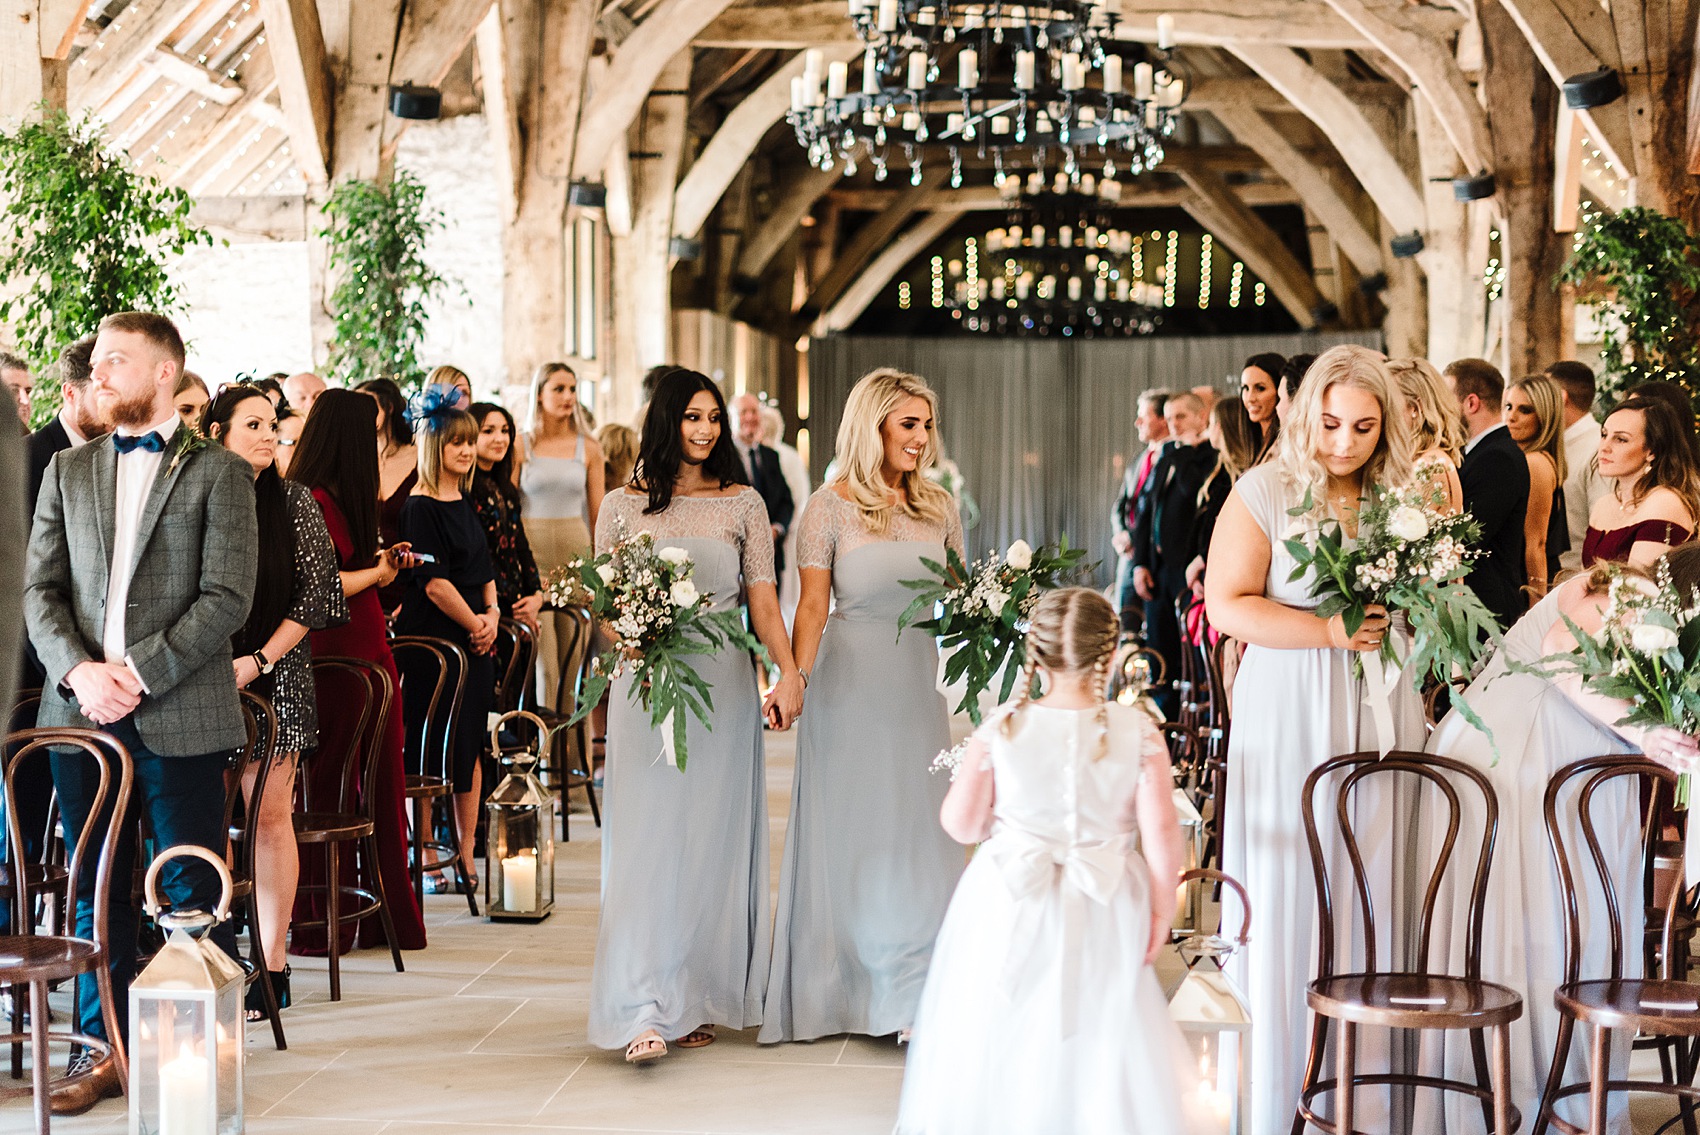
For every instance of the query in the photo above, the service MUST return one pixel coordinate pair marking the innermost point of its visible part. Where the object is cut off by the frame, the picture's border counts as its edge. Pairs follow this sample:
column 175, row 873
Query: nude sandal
column 700, row 1037
column 646, row 1048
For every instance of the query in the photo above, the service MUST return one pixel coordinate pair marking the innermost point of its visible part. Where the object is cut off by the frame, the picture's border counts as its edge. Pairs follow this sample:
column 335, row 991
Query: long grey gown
column 867, row 872
column 683, row 935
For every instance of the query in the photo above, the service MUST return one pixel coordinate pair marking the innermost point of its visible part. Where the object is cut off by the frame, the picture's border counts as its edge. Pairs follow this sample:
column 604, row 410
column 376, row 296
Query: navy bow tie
column 151, row 442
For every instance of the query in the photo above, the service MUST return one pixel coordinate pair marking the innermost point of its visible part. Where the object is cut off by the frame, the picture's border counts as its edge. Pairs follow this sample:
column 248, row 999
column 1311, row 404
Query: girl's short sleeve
column 817, row 536
column 318, row 600
column 757, row 538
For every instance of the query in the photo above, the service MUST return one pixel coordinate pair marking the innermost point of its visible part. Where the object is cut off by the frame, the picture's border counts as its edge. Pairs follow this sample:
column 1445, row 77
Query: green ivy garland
column 85, row 234
column 377, row 236
column 1642, row 269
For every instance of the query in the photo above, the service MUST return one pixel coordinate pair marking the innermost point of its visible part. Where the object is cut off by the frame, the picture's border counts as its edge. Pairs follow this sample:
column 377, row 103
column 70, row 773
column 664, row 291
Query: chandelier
column 1010, row 81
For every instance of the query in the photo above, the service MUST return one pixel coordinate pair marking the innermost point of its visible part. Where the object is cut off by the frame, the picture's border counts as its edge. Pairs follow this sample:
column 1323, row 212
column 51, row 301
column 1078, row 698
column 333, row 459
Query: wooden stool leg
column 419, row 850
column 369, row 847
column 109, row 1012
column 1555, row 1075
column 1502, row 1080
column 17, row 1027
column 1599, row 1066
column 333, row 918
column 1348, row 1059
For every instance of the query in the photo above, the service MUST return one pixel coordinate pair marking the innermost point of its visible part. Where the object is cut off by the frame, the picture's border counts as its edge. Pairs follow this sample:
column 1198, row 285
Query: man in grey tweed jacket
column 141, row 566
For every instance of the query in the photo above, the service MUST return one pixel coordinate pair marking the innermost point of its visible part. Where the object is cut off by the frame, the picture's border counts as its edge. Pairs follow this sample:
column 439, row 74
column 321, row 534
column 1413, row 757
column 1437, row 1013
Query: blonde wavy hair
column 1547, row 397
column 1074, row 630
column 1438, row 425
column 1390, row 465
column 861, row 452
column 539, row 378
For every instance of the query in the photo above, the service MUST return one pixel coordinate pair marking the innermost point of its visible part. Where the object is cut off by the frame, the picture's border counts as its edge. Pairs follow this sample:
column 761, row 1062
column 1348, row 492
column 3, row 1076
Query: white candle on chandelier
column 1065, row 236
column 917, row 70
column 1074, row 287
column 953, row 124
column 1089, row 186
column 1000, row 124
column 1073, row 74
column 968, row 68
column 1035, row 183
column 1110, row 189
column 837, row 79
column 1100, row 289
column 1150, row 116
column 1122, row 289
column 1038, row 235
column 1142, row 77
column 857, row 7
column 1023, row 287
column 799, row 99
column 886, row 20
column 926, row 18
column 997, row 287
column 1091, row 230
column 1059, row 184
column 1165, row 32
column 1024, row 70
column 911, row 120
column 1173, row 93
column 1113, row 74
column 870, row 73
column 812, row 60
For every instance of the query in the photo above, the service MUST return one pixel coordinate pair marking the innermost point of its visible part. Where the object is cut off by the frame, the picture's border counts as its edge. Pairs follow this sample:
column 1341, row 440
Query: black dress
column 1558, row 534
column 449, row 531
column 510, row 551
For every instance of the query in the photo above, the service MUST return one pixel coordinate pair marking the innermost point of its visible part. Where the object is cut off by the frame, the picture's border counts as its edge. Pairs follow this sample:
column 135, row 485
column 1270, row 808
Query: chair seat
column 330, row 827
column 1414, row 1001
column 38, row 878
column 40, row 957
column 1658, row 1008
column 425, row 787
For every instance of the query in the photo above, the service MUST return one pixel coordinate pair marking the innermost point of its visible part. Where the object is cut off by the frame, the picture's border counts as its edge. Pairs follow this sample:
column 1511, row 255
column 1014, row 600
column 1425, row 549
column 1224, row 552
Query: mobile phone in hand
column 423, row 557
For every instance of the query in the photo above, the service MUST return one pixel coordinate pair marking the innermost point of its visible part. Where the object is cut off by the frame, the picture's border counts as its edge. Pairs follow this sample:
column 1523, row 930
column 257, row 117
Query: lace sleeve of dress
column 617, row 507
column 817, row 536
column 757, row 540
column 953, row 530
column 1659, row 532
column 318, row 601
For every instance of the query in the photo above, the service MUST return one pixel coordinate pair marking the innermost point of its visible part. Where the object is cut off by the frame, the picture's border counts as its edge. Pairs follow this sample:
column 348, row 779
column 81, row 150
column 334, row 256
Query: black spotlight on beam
column 1406, row 245
column 416, row 103
column 1477, row 188
column 1592, row 88
column 1324, row 313
column 587, row 194
column 1372, row 286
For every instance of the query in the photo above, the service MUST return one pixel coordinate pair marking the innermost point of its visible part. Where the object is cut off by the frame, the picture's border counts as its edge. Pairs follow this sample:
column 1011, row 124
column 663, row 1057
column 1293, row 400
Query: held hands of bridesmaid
column 785, row 702
column 1369, row 635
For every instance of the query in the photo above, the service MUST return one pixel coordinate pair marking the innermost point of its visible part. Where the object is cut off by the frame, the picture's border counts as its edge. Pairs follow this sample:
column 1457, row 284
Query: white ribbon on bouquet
column 1380, row 679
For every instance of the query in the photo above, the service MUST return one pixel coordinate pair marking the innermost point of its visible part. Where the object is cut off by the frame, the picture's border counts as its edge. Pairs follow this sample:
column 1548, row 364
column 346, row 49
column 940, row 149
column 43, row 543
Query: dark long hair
column 502, row 472
column 398, row 427
column 1666, row 435
column 338, row 452
column 660, row 452
column 274, row 572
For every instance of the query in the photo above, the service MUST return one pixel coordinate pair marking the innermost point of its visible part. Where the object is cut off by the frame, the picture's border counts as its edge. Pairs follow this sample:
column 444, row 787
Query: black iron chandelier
column 1027, row 85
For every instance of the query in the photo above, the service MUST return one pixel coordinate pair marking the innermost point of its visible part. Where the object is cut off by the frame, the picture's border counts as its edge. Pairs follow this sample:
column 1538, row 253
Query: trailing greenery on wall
column 1642, row 269
column 85, row 234
column 377, row 235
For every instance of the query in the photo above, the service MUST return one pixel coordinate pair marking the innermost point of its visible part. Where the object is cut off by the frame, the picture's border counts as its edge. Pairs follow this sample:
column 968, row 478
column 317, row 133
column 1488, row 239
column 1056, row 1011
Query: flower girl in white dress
column 1041, row 1012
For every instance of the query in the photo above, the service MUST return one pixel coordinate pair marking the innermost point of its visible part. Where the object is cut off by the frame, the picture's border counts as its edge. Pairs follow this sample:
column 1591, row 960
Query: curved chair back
column 516, row 659
column 435, row 712
column 1583, row 787
column 111, row 797
column 369, row 696
column 1346, row 776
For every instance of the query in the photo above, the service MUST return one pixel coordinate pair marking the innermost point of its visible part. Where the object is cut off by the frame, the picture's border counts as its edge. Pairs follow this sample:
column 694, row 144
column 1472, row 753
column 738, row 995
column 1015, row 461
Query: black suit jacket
column 42, row 445
column 1495, row 476
column 769, row 481
column 1167, row 509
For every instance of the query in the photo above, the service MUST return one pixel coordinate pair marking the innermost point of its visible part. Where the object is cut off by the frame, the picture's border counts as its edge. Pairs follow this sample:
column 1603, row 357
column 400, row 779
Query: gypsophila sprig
column 950, row 760
column 563, row 587
column 979, row 612
column 644, row 596
column 1410, row 556
column 1647, row 653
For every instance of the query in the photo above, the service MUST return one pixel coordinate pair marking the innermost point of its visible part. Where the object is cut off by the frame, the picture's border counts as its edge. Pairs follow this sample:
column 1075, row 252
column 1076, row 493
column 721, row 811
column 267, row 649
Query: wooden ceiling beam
column 297, row 43
column 1231, row 220
column 433, row 36
column 126, row 44
column 791, row 204
column 193, row 77
column 58, row 23
column 870, row 239
column 1569, row 40
column 867, row 286
column 254, row 219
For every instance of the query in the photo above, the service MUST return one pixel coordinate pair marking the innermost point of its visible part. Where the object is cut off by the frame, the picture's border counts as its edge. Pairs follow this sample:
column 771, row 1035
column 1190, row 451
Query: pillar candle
column 870, row 73
column 1000, row 124
column 1113, row 74
column 1142, row 80
column 1165, row 32
column 1024, row 70
column 887, row 18
column 519, row 883
column 911, row 120
column 968, row 68
column 185, row 1099
column 798, row 99
column 1073, row 76
column 917, row 70
column 837, row 79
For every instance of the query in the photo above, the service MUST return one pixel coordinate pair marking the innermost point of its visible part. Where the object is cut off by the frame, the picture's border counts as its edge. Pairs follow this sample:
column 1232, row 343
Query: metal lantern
column 1213, row 1014
column 187, row 1033
column 519, row 859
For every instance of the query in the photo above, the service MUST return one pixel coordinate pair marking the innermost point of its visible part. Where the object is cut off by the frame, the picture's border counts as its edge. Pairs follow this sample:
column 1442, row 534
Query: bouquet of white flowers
column 564, row 587
column 1411, row 557
column 644, row 596
column 982, row 610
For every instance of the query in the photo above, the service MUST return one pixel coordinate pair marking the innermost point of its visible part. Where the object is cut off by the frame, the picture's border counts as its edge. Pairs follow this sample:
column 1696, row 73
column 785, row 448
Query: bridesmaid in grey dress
column 868, row 871
column 682, row 944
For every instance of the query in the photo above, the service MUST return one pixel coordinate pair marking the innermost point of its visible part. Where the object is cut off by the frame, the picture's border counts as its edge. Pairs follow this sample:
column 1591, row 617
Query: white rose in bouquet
column 1650, row 638
column 608, row 574
column 1408, row 523
column 684, row 593
column 996, row 601
column 674, row 555
column 1020, row 555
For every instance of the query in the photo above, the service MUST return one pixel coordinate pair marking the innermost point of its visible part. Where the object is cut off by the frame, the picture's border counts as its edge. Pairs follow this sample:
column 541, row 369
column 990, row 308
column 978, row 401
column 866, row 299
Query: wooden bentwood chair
column 36, row 960
column 1663, row 1008
column 241, row 823
column 1381, row 996
column 429, row 778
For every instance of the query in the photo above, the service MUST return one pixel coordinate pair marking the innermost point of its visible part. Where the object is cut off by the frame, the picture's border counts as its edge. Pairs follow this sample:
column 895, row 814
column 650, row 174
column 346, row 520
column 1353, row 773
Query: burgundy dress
column 1614, row 546
column 389, row 532
column 363, row 636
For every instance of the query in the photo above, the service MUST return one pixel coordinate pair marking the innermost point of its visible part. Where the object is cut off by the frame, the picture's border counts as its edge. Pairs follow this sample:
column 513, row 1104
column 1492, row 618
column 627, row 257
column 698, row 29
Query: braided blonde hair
column 1073, row 631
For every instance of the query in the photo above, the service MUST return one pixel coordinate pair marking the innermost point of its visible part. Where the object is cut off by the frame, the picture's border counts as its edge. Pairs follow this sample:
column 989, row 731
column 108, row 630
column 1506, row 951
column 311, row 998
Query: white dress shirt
column 67, row 421
column 1583, row 485
column 136, row 472
column 1471, row 444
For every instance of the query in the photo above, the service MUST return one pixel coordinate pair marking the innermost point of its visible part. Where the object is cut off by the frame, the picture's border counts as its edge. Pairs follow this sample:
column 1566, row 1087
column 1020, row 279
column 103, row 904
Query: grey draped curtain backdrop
column 1041, row 428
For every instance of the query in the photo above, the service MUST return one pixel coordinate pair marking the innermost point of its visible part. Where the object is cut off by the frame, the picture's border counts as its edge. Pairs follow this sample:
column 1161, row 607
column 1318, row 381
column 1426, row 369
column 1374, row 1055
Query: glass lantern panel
column 231, row 1032
column 173, row 1079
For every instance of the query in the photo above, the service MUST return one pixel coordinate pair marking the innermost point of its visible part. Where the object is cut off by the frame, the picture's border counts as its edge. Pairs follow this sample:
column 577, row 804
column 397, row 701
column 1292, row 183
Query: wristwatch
column 265, row 664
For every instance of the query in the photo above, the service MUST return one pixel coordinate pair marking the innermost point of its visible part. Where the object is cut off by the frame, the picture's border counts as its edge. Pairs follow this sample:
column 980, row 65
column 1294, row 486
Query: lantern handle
column 1232, row 884
column 151, row 896
column 543, row 730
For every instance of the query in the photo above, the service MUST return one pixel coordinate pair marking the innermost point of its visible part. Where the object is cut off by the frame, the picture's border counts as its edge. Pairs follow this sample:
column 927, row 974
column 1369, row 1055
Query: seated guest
column 452, row 596
column 519, row 589
column 296, row 590
column 1647, row 458
column 191, row 399
column 1162, row 531
column 134, row 633
column 1495, row 480
column 1437, row 434
column 338, row 461
column 20, row 383
column 1534, row 415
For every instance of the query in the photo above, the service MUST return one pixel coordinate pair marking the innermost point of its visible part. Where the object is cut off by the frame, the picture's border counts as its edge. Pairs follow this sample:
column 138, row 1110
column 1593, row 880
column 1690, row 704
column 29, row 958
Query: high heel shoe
column 254, row 1001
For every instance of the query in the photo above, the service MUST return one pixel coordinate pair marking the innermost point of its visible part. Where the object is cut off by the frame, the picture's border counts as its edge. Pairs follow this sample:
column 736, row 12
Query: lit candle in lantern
column 1024, row 70
column 917, row 70
column 1113, row 74
column 519, row 882
column 185, row 1103
column 837, row 79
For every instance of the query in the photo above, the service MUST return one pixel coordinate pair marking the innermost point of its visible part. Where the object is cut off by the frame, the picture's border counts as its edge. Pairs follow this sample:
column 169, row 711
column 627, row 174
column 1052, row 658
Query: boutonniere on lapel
column 185, row 443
